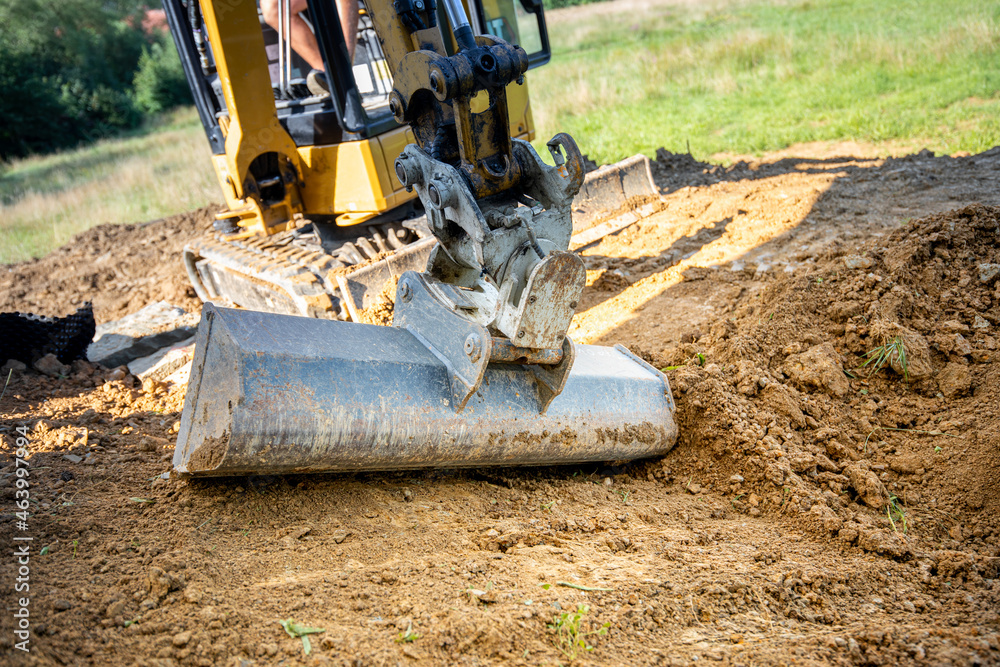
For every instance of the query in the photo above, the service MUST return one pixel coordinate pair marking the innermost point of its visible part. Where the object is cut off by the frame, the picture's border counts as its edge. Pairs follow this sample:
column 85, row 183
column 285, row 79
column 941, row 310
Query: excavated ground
column 815, row 511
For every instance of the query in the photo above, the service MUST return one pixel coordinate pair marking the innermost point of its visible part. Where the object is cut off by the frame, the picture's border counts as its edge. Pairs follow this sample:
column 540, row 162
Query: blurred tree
column 67, row 69
column 159, row 82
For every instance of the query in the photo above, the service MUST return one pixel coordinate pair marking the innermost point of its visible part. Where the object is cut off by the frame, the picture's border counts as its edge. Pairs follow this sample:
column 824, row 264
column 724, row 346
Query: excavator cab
column 356, row 108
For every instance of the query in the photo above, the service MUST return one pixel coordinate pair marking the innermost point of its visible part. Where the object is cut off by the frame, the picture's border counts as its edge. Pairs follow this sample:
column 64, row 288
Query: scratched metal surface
column 280, row 394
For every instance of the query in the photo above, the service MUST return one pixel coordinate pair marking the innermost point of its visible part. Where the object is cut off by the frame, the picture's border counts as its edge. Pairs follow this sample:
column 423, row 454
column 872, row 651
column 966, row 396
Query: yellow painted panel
column 351, row 177
column 519, row 109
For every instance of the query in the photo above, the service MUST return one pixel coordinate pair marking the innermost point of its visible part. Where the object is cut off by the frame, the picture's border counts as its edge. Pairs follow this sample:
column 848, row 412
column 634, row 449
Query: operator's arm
column 303, row 39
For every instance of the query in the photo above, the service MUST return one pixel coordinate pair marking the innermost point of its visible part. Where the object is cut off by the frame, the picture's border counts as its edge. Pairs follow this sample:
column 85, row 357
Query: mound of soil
column 871, row 378
column 815, row 511
column 120, row 268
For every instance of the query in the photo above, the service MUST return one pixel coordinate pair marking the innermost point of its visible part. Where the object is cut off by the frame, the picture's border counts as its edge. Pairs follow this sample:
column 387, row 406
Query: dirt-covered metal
column 278, row 394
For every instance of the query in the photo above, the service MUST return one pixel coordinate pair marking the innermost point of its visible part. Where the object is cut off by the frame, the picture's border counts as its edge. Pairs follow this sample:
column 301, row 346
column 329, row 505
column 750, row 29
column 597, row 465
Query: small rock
column 163, row 363
column 117, row 374
column 954, row 380
column 857, row 262
column 407, row 495
column 302, row 532
column 694, row 488
column 116, row 608
column 827, row 517
column 483, row 596
column 181, row 638
column 823, row 463
column 818, row 367
column 61, row 604
column 980, row 323
column 72, row 458
column 160, row 583
column 607, row 481
column 988, row 272
column 801, row 462
column 781, row 400
column 13, row 365
column 883, row 542
column 868, row 486
column 691, row 336
column 737, row 479
column 612, row 280
column 340, row 535
column 150, row 443
column 955, row 532
column 51, row 366
column 961, row 346
column 152, row 386
column 953, row 326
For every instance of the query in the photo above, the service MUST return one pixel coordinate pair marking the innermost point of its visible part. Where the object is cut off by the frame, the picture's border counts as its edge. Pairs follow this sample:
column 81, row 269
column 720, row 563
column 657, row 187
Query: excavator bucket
column 612, row 189
column 275, row 394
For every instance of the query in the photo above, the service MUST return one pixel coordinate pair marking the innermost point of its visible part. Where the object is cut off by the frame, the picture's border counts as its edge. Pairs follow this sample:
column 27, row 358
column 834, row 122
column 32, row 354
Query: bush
column 67, row 70
column 159, row 83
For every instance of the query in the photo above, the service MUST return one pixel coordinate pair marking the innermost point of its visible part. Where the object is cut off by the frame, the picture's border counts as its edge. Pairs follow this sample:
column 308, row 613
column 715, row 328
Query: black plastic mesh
column 28, row 337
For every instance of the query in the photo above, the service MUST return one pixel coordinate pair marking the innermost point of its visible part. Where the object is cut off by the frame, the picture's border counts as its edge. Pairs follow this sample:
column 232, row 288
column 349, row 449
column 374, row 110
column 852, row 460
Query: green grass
column 718, row 76
column 162, row 170
column 759, row 76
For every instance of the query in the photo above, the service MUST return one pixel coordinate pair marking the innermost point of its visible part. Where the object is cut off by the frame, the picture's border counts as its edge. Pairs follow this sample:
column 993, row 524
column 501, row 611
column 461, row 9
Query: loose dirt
column 120, row 268
column 815, row 510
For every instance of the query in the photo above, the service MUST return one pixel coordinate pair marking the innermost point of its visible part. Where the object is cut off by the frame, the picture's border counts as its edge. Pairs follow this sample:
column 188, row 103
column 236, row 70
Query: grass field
column 749, row 77
column 45, row 200
column 712, row 76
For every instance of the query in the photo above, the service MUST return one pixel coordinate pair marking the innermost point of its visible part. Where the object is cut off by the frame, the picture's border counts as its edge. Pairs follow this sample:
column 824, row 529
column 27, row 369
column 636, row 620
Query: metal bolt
column 404, row 292
column 419, row 5
column 473, row 346
column 437, row 83
column 532, row 299
column 520, row 334
column 434, row 195
column 572, row 304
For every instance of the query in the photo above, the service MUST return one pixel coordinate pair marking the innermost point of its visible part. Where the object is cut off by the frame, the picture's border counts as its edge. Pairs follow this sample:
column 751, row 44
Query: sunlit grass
column 45, row 200
column 750, row 77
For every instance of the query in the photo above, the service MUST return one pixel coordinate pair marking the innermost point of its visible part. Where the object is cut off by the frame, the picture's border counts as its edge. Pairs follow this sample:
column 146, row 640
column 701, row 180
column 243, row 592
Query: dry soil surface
column 815, row 510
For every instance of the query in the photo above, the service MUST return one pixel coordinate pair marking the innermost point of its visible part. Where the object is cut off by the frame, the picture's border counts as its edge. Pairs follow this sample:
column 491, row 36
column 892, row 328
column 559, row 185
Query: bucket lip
column 652, row 369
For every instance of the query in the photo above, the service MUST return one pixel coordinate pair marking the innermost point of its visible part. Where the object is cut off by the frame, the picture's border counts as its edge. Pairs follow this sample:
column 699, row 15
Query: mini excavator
column 414, row 165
